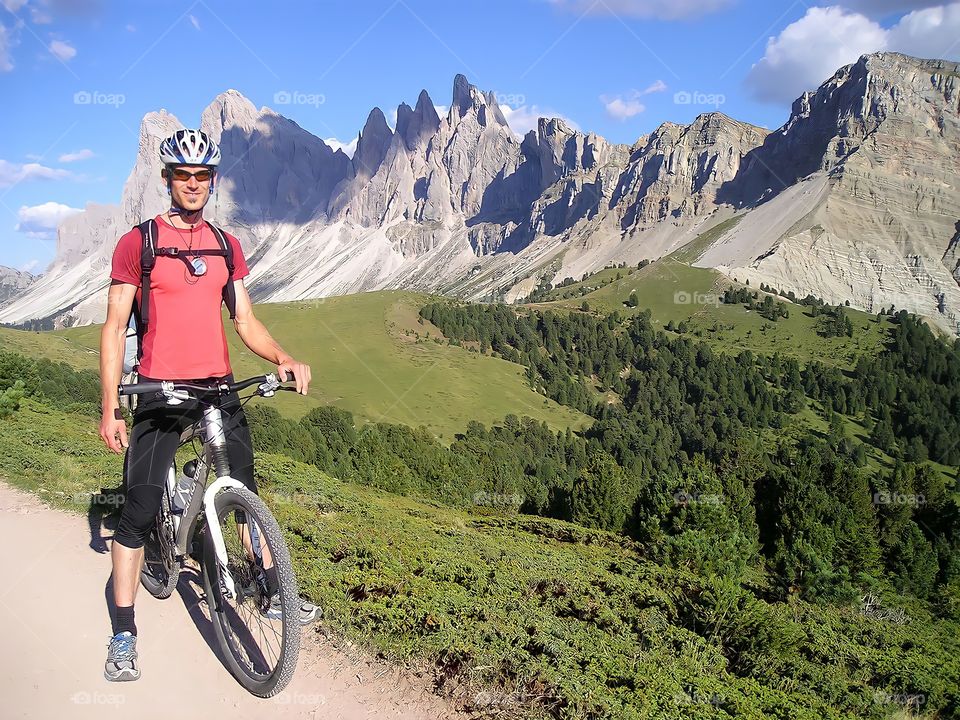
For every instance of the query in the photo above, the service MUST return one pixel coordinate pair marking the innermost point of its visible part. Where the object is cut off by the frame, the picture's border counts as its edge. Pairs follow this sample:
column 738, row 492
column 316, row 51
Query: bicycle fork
column 216, row 443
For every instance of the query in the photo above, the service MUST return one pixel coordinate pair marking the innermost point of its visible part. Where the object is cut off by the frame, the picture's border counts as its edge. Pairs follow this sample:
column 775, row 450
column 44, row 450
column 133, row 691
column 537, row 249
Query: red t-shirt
column 185, row 338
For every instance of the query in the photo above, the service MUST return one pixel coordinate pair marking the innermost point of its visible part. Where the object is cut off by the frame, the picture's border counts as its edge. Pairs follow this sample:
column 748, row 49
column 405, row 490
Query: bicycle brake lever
column 268, row 388
column 175, row 397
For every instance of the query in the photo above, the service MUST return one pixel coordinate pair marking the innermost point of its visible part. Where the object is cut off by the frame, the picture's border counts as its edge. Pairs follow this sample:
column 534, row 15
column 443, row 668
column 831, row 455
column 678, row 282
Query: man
column 184, row 340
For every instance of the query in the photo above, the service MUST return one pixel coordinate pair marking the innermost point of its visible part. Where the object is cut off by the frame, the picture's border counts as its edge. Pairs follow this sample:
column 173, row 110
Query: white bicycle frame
column 214, row 443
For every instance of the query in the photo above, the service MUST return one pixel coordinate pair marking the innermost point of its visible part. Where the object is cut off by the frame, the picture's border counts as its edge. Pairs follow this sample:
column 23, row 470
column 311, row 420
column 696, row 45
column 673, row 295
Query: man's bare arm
column 119, row 302
column 256, row 337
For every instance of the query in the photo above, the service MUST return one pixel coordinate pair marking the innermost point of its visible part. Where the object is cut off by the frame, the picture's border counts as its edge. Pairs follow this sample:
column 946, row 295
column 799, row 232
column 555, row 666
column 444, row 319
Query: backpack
column 140, row 314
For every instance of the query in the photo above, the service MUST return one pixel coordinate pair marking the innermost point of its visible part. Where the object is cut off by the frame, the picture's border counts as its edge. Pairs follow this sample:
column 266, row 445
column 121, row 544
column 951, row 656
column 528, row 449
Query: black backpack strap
column 148, row 258
column 229, row 291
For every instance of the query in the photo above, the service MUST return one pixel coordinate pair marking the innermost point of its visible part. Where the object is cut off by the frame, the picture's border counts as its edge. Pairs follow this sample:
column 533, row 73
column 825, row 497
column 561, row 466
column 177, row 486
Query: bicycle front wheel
column 259, row 637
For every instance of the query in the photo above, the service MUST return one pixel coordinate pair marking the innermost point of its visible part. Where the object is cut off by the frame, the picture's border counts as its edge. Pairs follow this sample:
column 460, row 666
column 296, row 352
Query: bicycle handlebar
column 185, row 391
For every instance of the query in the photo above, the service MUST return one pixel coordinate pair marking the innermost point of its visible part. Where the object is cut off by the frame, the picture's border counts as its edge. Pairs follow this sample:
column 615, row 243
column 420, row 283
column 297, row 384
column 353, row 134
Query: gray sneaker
column 121, row 662
column 308, row 611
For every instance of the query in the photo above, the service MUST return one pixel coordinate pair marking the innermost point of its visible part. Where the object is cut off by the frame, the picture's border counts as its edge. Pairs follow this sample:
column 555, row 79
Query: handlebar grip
column 139, row 388
column 287, row 376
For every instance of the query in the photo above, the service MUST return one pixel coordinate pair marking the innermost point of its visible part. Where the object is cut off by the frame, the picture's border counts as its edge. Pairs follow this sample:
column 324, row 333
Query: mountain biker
column 184, row 340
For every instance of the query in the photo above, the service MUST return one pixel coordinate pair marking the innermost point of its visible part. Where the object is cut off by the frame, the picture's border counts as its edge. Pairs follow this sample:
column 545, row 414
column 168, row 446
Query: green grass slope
column 529, row 617
column 365, row 358
column 673, row 290
column 81, row 352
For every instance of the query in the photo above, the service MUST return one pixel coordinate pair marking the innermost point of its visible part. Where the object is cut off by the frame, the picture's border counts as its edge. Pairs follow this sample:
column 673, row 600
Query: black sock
column 273, row 584
column 123, row 621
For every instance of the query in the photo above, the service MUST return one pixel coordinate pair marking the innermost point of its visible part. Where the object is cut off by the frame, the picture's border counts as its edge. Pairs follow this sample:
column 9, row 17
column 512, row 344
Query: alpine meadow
column 609, row 417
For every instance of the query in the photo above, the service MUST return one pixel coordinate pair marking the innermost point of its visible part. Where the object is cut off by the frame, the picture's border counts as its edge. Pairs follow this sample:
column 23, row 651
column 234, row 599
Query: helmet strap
column 191, row 217
column 175, row 209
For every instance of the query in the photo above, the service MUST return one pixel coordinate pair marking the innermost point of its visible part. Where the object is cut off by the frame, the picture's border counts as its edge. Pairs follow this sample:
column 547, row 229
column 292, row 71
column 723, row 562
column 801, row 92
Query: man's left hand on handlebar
column 300, row 372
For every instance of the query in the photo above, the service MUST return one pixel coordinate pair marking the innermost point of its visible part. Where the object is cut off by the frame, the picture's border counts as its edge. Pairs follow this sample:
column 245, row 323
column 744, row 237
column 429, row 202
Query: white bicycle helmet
column 189, row 147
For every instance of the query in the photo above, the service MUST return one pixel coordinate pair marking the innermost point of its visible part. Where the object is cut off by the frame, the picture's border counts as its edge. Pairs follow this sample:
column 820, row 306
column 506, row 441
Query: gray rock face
column 13, row 283
column 890, row 93
column 417, row 126
column 881, row 139
column 273, row 171
column 855, row 198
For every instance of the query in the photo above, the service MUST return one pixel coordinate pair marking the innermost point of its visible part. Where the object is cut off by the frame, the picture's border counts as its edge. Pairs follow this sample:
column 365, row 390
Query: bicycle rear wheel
column 260, row 652
column 161, row 569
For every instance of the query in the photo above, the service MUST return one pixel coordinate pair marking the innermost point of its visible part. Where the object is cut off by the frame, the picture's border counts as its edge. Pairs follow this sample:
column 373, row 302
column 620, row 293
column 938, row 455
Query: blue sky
column 77, row 76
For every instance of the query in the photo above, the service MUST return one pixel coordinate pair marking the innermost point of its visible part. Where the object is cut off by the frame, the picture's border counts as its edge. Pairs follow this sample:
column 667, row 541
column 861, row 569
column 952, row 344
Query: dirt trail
column 55, row 627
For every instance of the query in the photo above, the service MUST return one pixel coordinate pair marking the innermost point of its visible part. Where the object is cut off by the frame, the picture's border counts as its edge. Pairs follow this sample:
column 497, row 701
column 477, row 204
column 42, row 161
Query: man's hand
column 300, row 371
column 110, row 428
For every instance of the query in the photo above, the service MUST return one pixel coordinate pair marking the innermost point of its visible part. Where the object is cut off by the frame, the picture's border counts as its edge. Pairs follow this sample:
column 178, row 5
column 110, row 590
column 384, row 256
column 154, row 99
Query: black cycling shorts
column 153, row 445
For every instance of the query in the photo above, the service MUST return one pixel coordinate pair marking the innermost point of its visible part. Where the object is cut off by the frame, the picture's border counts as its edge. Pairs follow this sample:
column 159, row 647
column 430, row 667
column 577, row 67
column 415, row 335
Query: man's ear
column 164, row 173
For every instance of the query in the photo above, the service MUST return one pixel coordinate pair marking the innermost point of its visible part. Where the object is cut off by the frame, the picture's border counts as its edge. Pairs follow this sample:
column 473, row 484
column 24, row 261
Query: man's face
column 190, row 193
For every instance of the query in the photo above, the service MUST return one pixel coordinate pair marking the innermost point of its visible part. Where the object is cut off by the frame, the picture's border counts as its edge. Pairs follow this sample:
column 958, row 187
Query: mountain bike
column 234, row 537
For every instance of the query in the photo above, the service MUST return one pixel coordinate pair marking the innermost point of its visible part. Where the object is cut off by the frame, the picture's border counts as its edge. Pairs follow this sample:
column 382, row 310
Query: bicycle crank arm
column 213, row 527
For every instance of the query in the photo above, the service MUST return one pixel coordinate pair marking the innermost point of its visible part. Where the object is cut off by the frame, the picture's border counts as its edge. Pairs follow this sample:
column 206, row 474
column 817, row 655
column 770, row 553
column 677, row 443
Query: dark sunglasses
column 184, row 175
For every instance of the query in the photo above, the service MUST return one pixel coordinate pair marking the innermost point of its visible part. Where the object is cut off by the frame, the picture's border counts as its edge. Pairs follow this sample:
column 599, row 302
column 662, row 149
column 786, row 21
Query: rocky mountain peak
column 552, row 126
column 467, row 98
column 829, row 125
column 230, row 109
column 464, row 95
column 855, row 197
column 417, row 125
column 372, row 145
column 13, row 283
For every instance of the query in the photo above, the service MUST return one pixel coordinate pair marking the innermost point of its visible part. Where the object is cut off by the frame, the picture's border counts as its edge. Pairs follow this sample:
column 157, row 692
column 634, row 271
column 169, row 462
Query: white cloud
column 131, row 27
column 662, row 9
column 41, row 221
column 63, row 51
column 811, row 49
column 195, row 22
column 655, row 86
column 40, row 16
column 441, row 109
column 348, row 148
column 14, row 5
column 525, row 118
column 13, row 173
column 29, row 266
column 621, row 107
column 84, row 154
column 929, row 33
